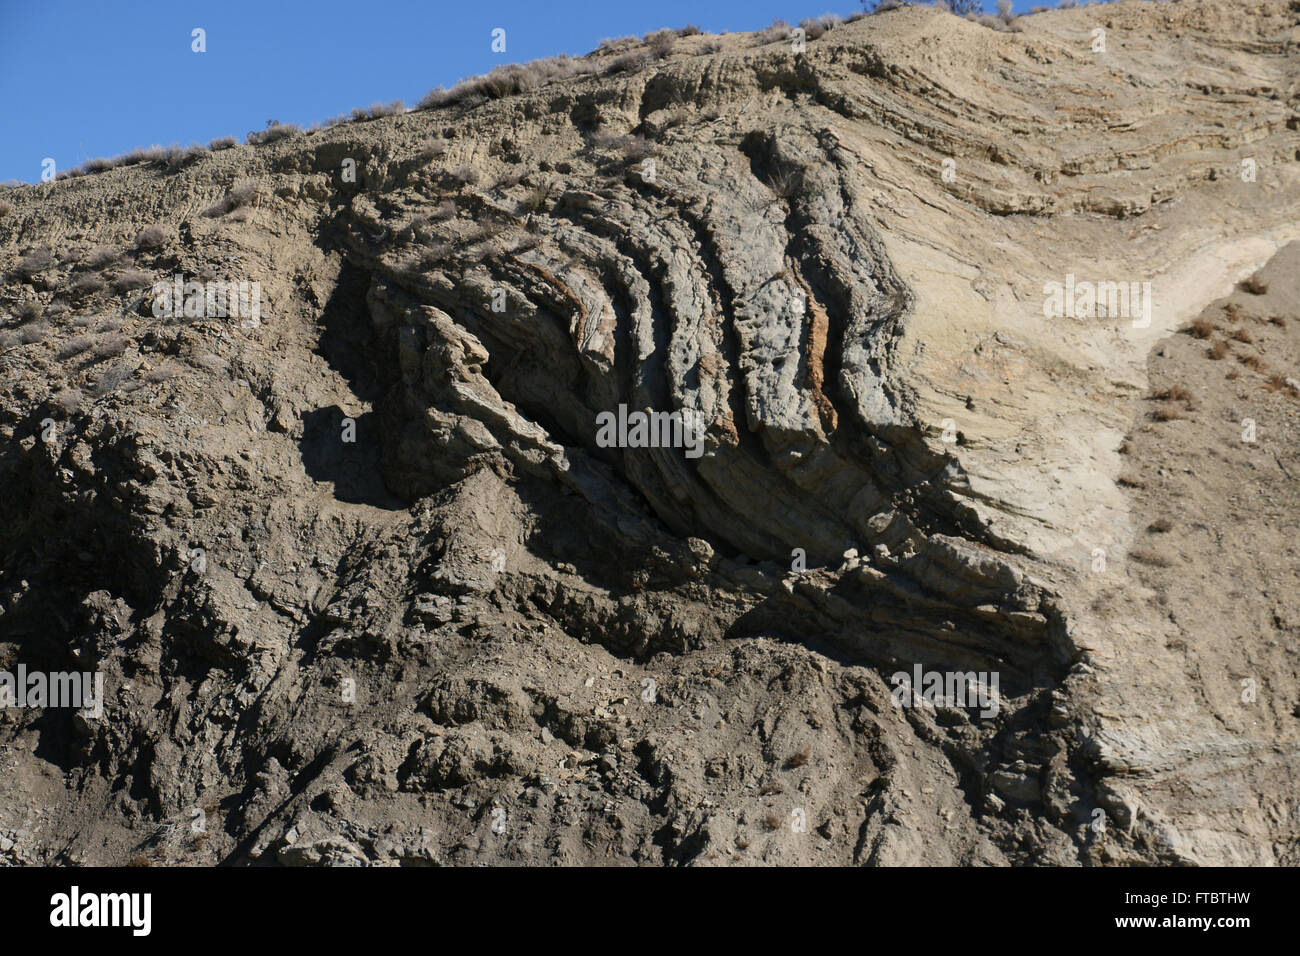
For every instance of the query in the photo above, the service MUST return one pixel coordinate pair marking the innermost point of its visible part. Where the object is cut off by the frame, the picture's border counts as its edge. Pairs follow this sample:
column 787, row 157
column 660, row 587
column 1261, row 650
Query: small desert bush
column 9, row 339
column 816, row 27
column 443, row 211
column 75, row 346
column 1218, row 350
column 1233, row 311
column 1255, row 285
column 1174, row 393
column 1160, row 526
column 273, row 133
column 223, row 142
column 151, row 238
column 101, row 257
column 779, row 30
column 1167, row 412
column 162, row 373
column 690, row 30
column 67, row 400
column 128, row 280
column 1253, row 362
column 5, row 209
column 785, row 179
column 34, row 263
column 1242, row 335
column 36, row 332
column 1202, row 329
column 110, row 346
column 464, row 175
column 433, row 148
column 28, row 310
column 634, row 61
column 660, row 44
column 87, row 284
column 1277, row 320
column 1152, row 558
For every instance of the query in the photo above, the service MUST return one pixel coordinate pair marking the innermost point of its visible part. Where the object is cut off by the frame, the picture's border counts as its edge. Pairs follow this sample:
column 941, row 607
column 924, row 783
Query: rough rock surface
column 472, row 635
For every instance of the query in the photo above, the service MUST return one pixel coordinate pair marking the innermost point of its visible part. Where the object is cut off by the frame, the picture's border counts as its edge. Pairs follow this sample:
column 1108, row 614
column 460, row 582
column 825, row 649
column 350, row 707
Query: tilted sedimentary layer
column 365, row 587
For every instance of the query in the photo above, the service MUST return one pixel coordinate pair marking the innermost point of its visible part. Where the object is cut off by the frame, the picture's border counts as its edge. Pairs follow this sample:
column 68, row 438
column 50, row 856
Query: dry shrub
column 1152, row 558
column 128, row 280
column 1167, row 412
column 28, row 310
column 1233, row 311
column 8, row 340
column 162, row 373
column 1255, row 285
column 1174, row 393
column 1242, row 335
column 464, row 175
column 634, row 61
column 151, row 238
column 800, row 758
column 1202, row 329
column 223, row 142
column 86, row 285
column 33, row 263
column 1218, row 350
column 110, row 346
column 75, row 346
column 5, row 209
column 273, row 133
column 67, row 400
column 36, row 332
column 772, row 821
column 690, row 30
column 1253, row 362
column 816, row 27
column 101, row 257
column 779, row 30
column 661, row 43
column 1160, row 526
column 1277, row 320
column 1233, row 375
column 433, row 148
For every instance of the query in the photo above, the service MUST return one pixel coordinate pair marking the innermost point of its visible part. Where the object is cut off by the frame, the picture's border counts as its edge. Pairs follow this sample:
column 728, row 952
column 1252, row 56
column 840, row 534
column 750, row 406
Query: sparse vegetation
column 86, row 285
column 1202, row 329
column 1167, row 412
column 1253, row 362
column 151, row 238
column 223, row 142
column 1255, row 285
column 1160, row 526
column 1151, row 558
column 75, row 346
column 1241, row 335
column 33, row 263
column 128, row 280
column 274, row 132
column 779, row 30
column 1218, row 350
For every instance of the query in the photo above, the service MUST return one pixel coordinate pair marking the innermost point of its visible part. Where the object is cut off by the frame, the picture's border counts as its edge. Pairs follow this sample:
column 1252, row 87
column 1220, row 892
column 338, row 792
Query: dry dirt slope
column 473, row 635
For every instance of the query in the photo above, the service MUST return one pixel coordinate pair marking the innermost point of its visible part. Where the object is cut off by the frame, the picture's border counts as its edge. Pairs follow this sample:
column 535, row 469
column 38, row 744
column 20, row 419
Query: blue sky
column 87, row 78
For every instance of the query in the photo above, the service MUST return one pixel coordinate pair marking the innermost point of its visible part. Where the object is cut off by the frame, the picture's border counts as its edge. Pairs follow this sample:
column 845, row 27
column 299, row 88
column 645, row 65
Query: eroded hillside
column 365, row 588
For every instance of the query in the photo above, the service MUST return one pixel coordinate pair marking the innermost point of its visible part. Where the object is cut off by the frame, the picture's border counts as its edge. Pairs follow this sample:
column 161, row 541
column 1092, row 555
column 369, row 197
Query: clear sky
column 88, row 78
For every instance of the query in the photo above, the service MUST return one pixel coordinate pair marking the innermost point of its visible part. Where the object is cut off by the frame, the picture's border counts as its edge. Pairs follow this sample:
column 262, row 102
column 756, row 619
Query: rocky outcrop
column 367, row 587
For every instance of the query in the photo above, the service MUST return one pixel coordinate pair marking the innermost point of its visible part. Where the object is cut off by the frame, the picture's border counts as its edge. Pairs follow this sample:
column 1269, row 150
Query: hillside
column 366, row 588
